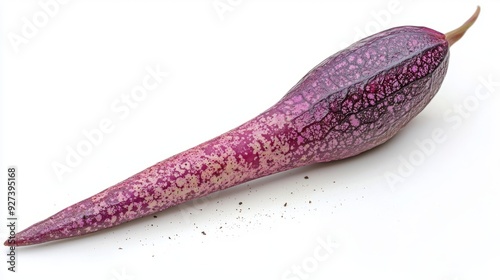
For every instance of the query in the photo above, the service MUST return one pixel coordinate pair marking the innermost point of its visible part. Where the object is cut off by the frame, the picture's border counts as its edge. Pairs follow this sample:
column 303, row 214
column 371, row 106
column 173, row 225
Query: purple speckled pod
column 353, row 101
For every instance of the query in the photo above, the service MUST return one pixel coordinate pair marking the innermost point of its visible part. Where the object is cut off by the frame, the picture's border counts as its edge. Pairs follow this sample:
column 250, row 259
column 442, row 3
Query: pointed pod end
column 455, row 35
column 34, row 234
column 17, row 242
column 14, row 242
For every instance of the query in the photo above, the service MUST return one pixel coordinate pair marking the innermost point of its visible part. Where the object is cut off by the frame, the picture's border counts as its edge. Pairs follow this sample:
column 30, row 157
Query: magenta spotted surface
column 351, row 102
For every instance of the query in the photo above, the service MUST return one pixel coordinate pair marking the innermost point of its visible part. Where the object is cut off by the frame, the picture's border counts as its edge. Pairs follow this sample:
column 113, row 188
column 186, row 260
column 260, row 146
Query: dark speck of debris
column 309, row 201
column 285, row 204
column 155, row 216
column 240, row 203
column 204, row 233
column 306, row 177
column 119, row 248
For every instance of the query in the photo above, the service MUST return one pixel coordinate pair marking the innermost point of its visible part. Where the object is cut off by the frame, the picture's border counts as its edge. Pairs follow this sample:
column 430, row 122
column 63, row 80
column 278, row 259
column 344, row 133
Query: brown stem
column 456, row 34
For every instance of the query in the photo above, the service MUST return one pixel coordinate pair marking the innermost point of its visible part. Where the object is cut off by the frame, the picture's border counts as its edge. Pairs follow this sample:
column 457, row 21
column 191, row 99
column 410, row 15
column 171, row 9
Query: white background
column 440, row 221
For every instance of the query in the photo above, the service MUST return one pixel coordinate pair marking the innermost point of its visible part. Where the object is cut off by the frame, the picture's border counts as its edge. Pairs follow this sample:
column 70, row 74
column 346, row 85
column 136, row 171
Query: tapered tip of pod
column 16, row 242
column 455, row 35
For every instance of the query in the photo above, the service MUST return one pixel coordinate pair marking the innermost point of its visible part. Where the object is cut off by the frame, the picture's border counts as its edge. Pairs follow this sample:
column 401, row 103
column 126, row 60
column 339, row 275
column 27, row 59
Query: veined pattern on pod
column 351, row 102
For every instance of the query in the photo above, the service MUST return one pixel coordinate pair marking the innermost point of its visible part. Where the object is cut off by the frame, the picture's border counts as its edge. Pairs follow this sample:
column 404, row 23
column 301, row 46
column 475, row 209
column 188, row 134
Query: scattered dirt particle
column 155, row 216
column 240, row 203
column 306, row 177
column 204, row 233
column 309, row 202
column 286, row 203
column 120, row 248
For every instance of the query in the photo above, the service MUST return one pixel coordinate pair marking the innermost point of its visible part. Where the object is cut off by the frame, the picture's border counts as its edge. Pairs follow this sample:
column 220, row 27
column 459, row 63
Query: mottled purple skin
column 351, row 102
